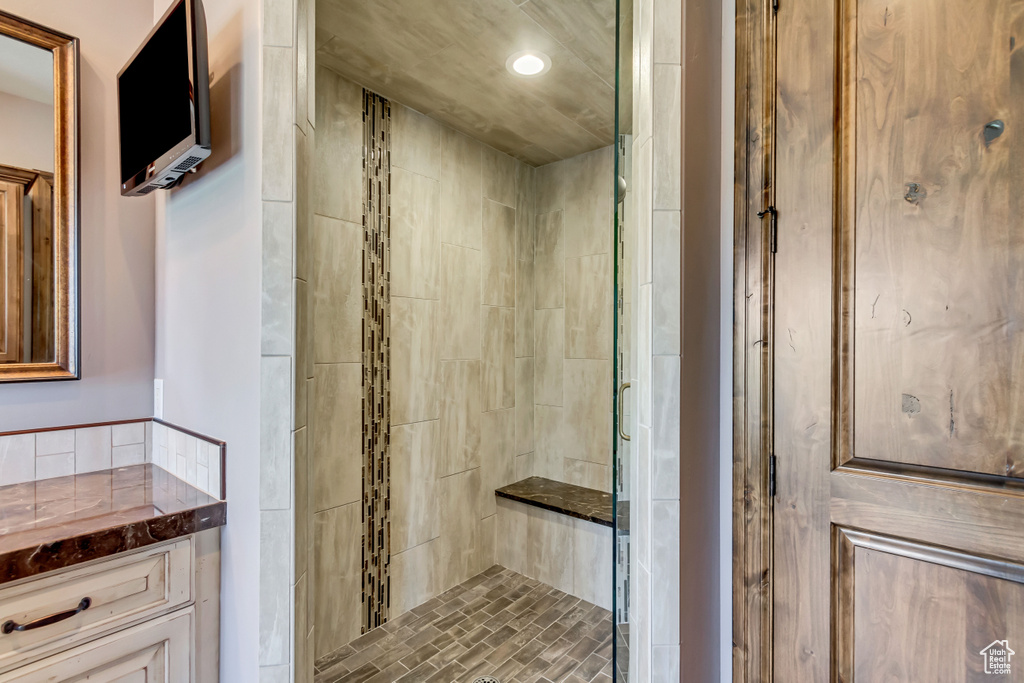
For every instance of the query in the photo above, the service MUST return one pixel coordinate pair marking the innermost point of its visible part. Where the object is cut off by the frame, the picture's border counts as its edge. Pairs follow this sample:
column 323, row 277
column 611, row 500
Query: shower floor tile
column 498, row 623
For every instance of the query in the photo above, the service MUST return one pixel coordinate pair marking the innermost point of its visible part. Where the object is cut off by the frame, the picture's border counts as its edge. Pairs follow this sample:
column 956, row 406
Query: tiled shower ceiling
column 447, row 58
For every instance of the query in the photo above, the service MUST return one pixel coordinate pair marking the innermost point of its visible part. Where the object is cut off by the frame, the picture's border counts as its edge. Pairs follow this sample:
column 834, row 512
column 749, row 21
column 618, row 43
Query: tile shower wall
column 657, row 184
column 573, row 280
column 461, row 228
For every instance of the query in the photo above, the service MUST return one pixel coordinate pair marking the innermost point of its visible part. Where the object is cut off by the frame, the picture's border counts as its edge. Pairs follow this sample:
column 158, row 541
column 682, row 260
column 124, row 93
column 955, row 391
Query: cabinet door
column 158, row 651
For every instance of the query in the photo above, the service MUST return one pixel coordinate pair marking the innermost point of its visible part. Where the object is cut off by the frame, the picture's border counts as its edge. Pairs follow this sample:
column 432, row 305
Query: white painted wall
column 26, row 133
column 208, row 309
column 116, row 236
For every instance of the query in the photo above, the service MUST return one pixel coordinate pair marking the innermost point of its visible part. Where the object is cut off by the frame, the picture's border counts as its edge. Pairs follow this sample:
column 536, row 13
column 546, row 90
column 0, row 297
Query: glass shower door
column 623, row 342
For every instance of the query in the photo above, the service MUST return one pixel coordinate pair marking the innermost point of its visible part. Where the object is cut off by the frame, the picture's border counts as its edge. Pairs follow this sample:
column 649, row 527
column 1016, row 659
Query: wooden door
column 897, row 341
column 11, row 248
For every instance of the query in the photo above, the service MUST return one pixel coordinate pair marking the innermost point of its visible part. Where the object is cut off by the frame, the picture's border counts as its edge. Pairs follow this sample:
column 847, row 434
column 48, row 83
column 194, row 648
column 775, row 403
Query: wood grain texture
column 899, row 518
column 11, row 249
column 64, row 363
column 938, row 250
column 751, row 361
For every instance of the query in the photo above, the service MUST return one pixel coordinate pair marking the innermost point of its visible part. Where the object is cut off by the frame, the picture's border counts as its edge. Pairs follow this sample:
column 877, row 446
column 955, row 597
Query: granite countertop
column 56, row 523
column 575, row 501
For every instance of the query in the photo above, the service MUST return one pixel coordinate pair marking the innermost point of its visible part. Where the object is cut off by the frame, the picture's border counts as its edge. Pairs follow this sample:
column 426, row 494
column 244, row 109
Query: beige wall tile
column 51, row 443
column 588, row 474
column 589, row 302
column 549, row 548
column 667, row 293
column 302, row 659
column 642, row 174
column 303, row 510
column 592, row 563
column 49, row 466
column 668, row 17
column 549, row 439
column 499, row 254
column 588, row 410
column 415, row 358
column 526, row 213
column 666, row 387
column 497, row 455
column 92, row 449
column 461, row 189
column 133, row 454
column 524, row 405
column 485, row 555
column 337, row 435
column 499, row 360
column 337, row 291
column 122, row 435
column 338, row 577
column 525, row 466
column 550, row 356
column 524, row 308
column 278, row 22
column 413, row 577
column 549, row 184
column 303, row 351
column 305, row 145
column 275, row 435
column 549, row 262
column 460, row 416
column 278, row 123
column 276, row 315
column 415, row 142
column 589, row 188
column 460, row 303
column 510, row 535
column 415, row 226
column 461, row 535
column 17, row 458
column 275, row 588
column 414, row 469
column 337, row 178
column 668, row 133
column 499, row 177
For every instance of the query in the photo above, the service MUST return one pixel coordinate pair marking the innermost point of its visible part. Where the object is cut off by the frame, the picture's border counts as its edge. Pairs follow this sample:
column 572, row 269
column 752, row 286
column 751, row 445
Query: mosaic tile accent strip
column 376, row 359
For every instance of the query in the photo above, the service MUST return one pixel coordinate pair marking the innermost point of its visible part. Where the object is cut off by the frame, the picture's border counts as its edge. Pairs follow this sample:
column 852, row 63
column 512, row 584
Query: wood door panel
column 975, row 520
column 936, row 355
column 896, row 337
column 920, row 613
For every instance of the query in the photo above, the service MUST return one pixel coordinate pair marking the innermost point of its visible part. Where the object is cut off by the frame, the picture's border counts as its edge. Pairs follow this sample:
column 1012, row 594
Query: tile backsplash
column 29, row 456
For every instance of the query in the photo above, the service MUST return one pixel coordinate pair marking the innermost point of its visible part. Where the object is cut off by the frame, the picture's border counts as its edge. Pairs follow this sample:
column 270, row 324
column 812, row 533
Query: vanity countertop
column 56, row 523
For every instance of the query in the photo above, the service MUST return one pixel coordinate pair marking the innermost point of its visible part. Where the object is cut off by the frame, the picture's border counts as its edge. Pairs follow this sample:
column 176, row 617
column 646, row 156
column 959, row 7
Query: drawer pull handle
column 11, row 626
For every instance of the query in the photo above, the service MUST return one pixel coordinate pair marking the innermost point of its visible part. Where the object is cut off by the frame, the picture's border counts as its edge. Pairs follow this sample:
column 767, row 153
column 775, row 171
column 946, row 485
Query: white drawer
column 157, row 651
column 122, row 591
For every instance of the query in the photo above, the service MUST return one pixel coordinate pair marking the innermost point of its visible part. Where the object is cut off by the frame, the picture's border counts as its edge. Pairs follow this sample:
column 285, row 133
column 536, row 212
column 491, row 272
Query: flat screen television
column 163, row 99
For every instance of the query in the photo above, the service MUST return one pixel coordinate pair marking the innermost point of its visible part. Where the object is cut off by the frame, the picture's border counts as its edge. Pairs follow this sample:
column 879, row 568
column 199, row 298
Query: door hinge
column 772, row 460
column 775, row 6
column 773, row 227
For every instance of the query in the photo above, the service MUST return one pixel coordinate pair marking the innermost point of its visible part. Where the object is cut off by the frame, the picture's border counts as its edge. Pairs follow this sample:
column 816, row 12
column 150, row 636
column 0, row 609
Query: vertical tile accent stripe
column 376, row 359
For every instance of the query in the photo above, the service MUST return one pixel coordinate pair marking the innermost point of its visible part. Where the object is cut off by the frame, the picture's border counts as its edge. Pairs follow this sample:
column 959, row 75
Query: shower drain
column 487, row 679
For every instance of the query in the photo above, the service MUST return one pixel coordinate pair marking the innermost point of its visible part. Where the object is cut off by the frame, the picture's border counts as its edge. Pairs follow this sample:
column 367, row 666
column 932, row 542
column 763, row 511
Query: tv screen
column 155, row 101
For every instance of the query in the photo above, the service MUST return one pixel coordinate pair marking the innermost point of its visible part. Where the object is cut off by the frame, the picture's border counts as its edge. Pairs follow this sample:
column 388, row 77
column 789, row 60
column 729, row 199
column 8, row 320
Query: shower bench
column 557, row 533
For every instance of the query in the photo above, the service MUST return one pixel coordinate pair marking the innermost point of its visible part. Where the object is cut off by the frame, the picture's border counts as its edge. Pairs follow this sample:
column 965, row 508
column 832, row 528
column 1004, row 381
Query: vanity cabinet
column 150, row 615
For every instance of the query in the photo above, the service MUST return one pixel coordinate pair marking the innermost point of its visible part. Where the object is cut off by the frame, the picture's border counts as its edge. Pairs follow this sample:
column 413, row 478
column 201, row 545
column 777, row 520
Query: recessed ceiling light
column 528, row 63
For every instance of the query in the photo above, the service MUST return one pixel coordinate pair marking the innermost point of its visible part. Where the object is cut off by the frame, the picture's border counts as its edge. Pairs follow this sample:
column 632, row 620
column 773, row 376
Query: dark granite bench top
column 574, row 501
column 55, row 523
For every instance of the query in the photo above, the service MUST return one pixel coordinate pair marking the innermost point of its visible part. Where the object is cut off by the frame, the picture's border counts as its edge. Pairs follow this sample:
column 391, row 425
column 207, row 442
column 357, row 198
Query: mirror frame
column 66, row 78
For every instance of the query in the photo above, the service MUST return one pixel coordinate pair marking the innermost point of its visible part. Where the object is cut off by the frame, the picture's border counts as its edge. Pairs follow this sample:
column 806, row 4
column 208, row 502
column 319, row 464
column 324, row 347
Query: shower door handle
column 622, row 389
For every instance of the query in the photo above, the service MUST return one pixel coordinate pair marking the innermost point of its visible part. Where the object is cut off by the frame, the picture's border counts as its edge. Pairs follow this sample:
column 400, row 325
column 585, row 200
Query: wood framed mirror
column 39, row 223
